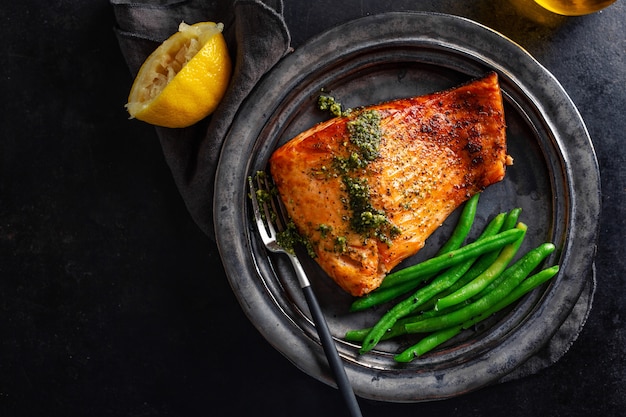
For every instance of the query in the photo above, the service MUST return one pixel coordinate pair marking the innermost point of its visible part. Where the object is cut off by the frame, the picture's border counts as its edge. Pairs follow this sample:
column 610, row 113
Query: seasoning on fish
column 367, row 189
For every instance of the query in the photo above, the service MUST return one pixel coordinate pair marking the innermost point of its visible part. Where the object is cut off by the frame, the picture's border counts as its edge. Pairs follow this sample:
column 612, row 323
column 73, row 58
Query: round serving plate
column 554, row 180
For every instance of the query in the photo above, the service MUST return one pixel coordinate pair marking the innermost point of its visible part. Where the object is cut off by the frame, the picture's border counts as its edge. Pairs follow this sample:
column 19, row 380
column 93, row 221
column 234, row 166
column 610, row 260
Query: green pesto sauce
column 324, row 229
column 289, row 238
column 366, row 220
column 341, row 244
column 364, row 133
column 328, row 103
column 360, row 205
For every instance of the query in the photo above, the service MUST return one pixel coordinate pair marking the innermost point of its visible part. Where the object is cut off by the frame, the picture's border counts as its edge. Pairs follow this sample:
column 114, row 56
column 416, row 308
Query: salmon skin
column 367, row 189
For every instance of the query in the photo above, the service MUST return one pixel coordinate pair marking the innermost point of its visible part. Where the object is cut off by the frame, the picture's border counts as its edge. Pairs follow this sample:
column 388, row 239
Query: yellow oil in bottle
column 574, row 7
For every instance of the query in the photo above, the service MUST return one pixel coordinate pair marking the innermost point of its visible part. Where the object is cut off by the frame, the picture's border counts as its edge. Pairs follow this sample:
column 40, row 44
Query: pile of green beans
column 455, row 241
column 460, row 286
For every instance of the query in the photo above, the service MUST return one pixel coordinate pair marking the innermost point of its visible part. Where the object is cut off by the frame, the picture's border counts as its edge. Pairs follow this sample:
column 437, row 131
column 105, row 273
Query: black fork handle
column 336, row 366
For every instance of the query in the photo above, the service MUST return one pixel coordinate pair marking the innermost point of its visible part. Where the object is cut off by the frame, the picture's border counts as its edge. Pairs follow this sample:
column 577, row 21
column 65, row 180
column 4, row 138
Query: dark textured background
column 113, row 303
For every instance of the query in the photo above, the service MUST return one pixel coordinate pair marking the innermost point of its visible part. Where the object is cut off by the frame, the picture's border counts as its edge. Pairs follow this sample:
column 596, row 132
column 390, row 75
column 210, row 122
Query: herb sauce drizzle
column 365, row 134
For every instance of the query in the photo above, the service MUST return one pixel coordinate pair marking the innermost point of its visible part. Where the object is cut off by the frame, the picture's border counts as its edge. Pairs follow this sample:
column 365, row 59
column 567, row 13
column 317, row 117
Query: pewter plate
column 555, row 181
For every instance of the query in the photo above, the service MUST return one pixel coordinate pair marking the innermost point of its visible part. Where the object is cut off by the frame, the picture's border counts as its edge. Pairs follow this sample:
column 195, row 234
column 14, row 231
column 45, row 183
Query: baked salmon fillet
column 367, row 189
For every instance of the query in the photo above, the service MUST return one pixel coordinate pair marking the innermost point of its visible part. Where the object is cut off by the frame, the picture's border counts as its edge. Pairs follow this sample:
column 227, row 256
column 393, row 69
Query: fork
column 269, row 224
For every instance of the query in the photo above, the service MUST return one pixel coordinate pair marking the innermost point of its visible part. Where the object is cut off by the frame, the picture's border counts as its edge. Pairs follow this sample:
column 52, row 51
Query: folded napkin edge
column 159, row 5
column 276, row 14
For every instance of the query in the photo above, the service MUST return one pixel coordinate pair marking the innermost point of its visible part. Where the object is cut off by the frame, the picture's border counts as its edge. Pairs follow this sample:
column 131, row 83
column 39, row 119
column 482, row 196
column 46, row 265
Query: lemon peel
column 184, row 79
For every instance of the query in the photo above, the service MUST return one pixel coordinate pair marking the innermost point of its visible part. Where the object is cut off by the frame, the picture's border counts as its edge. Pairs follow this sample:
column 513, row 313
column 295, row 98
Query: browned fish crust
column 435, row 152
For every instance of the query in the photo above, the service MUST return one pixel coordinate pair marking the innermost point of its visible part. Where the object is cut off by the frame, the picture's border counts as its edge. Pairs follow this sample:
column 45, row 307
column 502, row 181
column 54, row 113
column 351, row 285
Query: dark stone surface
column 113, row 303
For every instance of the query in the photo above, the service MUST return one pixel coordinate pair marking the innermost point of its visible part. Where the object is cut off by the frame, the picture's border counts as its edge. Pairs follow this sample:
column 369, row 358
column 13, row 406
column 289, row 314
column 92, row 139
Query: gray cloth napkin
column 257, row 37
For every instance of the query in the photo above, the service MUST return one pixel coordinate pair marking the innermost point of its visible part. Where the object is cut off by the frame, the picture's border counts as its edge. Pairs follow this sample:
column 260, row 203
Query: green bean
column 483, row 262
column 386, row 327
column 437, row 338
column 463, row 226
column 428, row 343
column 514, row 275
column 458, row 236
column 382, row 295
column 480, row 265
column 511, row 218
column 424, row 294
column 360, row 334
column 491, row 229
column 491, row 286
column 518, row 292
column 426, row 314
column 411, row 304
column 398, row 329
column 478, row 268
column 497, row 224
column 357, row 335
column 438, row 263
column 489, row 275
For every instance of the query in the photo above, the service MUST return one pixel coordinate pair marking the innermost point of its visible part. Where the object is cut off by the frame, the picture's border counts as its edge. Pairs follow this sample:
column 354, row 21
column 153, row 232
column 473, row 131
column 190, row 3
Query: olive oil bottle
column 574, row 7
